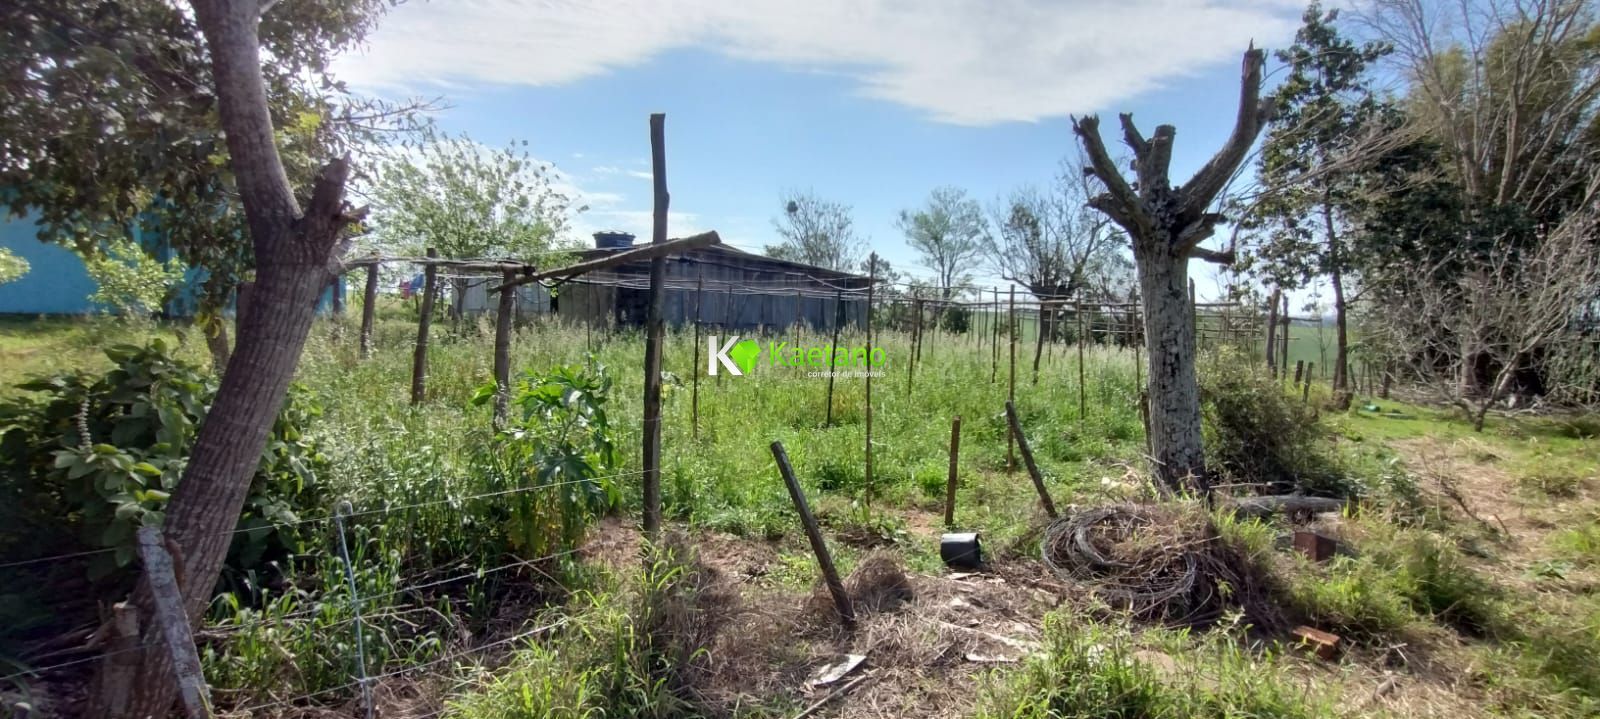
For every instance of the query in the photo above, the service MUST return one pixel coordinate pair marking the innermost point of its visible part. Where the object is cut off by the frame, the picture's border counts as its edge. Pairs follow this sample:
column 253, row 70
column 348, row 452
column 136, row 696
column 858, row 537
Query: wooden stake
column 1083, row 401
column 950, row 481
column 1299, row 370
column 872, row 279
column 1305, row 389
column 653, row 333
column 994, row 348
column 1011, row 389
column 694, row 393
column 369, row 310
column 833, row 350
column 916, row 347
column 173, row 622
column 419, row 359
column 1038, row 345
column 1283, row 340
column 1272, row 333
column 1027, row 458
column 502, row 352
column 830, row 575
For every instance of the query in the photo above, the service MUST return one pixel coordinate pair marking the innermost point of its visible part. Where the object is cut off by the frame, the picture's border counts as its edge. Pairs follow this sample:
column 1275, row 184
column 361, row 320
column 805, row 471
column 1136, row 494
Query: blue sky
column 872, row 103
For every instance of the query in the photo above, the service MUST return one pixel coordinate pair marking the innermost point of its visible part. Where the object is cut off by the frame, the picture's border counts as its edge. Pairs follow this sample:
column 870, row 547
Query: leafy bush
column 129, row 280
column 89, row 459
column 1255, row 433
column 553, row 458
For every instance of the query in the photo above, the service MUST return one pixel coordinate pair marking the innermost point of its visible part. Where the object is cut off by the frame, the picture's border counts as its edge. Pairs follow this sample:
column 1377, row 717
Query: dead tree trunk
column 296, row 253
column 1166, row 225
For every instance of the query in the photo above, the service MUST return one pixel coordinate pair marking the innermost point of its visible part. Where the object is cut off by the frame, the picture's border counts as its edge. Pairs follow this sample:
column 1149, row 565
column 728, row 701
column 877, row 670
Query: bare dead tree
column 1166, row 225
column 1048, row 239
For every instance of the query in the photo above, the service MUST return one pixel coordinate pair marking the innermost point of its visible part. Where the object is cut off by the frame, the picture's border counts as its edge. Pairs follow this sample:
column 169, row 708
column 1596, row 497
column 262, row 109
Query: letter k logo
column 719, row 355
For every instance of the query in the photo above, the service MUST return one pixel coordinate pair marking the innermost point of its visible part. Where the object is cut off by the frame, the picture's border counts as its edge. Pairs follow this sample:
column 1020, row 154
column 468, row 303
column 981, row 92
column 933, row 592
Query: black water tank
column 613, row 240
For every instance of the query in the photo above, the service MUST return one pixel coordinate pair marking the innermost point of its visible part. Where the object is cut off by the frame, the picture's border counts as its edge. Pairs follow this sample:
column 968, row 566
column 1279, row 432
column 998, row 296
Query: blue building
column 57, row 283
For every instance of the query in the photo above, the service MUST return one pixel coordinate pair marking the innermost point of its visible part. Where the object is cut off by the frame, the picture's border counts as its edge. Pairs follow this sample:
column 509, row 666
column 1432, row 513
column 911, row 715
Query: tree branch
column 1120, row 202
column 1253, row 113
column 1225, row 257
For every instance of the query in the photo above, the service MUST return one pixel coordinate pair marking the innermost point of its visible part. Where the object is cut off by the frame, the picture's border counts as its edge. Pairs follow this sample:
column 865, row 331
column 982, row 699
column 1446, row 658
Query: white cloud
column 613, row 170
column 968, row 62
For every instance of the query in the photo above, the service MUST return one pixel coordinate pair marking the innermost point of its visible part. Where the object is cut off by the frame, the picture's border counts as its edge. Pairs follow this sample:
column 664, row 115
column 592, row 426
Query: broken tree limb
column 647, row 252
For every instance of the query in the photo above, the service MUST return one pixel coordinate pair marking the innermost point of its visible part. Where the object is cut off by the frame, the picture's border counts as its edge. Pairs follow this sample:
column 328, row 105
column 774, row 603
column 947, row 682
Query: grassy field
column 1468, row 590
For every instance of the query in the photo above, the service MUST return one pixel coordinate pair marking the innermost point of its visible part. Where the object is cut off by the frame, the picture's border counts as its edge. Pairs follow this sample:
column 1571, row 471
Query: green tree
column 129, row 281
column 109, row 117
column 948, row 233
column 1327, row 117
column 467, row 201
column 817, row 232
column 121, row 63
column 12, row 267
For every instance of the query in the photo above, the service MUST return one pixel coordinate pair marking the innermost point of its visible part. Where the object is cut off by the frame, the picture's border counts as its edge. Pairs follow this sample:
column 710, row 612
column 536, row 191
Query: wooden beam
column 651, row 251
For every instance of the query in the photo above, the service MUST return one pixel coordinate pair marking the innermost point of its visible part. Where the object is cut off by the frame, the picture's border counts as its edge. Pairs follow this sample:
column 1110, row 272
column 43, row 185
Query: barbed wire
column 325, row 518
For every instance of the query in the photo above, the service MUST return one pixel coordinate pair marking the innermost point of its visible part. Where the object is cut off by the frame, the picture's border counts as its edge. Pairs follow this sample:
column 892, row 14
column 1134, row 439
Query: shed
column 741, row 290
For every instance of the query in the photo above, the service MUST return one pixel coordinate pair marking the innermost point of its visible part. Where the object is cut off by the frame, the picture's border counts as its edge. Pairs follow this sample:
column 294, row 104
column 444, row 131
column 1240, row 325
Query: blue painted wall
column 58, row 284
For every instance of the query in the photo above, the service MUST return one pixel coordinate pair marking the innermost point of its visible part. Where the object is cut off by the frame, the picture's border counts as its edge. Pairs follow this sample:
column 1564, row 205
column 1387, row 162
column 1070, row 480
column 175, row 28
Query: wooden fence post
column 502, row 350
column 166, row 599
column 1272, row 333
column 368, row 310
column 419, row 359
column 950, row 481
column 652, row 350
column 1011, row 389
column 1283, row 350
column 1083, row 401
column 830, row 575
column 1027, row 457
column 1305, row 389
column 1038, row 346
column 1299, row 370
column 916, row 347
column 833, row 352
column 872, row 279
column 994, row 348
column 694, row 393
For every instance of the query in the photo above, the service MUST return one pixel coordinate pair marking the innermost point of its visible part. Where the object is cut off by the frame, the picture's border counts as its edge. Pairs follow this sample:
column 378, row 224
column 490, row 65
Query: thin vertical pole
column 951, row 479
column 694, row 392
column 1083, row 401
column 369, row 310
column 654, row 330
column 1011, row 389
column 833, row 351
column 502, row 350
column 994, row 346
column 872, row 280
column 916, row 347
column 830, row 575
column 1038, row 346
column 1283, row 355
column 355, row 606
column 419, row 358
column 1272, row 333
